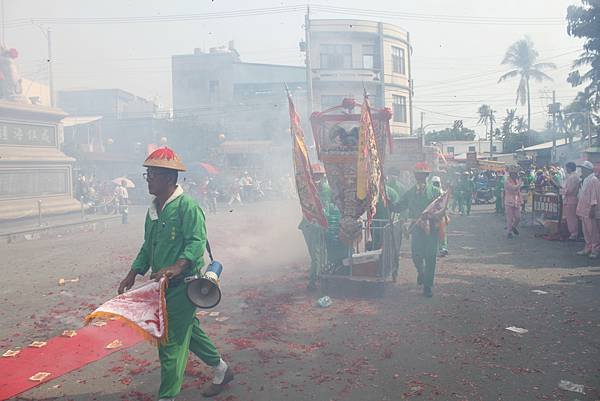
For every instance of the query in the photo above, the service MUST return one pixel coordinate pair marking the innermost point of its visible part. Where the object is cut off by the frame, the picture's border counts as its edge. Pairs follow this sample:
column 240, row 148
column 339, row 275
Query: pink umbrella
column 209, row 168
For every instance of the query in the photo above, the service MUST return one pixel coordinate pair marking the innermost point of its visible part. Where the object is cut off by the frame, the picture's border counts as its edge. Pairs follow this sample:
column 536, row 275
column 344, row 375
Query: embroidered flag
column 437, row 206
column 144, row 308
column 312, row 208
column 369, row 173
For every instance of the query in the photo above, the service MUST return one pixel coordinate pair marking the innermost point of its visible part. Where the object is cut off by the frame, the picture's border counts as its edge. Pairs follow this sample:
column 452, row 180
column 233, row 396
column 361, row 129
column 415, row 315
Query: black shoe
column 515, row 231
column 216, row 389
column 427, row 292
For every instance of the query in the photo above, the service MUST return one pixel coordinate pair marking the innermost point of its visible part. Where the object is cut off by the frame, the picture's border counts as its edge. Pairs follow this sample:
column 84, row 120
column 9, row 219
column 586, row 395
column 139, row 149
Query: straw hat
column 164, row 158
column 422, row 167
column 317, row 168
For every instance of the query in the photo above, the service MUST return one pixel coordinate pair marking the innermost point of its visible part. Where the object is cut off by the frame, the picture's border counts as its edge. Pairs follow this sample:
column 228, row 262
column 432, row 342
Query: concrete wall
column 240, row 100
column 33, row 172
column 110, row 103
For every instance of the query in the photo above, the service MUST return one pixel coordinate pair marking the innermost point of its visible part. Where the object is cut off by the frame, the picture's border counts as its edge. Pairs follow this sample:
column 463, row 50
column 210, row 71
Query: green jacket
column 416, row 202
column 466, row 186
column 178, row 232
column 383, row 213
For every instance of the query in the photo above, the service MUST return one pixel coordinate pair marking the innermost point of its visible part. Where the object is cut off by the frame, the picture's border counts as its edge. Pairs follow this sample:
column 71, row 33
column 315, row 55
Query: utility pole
column 588, row 124
column 309, row 88
column 410, row 82
column 554, row 109
column 422, row 133
column 2, row 41
column 50, row 75
column 491, row 133
column 553, row 127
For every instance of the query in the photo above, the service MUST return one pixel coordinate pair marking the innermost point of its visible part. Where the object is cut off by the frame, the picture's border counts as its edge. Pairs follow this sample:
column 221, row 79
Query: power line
column 383, row 14
column 460, row 19
column 157, row 18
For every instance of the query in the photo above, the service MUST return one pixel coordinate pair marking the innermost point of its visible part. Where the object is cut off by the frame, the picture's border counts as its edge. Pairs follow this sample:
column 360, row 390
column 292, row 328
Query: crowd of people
column 238, row 189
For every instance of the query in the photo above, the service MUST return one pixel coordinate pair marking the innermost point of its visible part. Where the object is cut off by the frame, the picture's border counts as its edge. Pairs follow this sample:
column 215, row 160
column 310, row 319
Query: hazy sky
column 458, row 45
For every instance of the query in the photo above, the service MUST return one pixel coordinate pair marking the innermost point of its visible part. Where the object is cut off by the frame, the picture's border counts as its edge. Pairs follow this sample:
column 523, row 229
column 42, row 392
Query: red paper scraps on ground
column 62, row 355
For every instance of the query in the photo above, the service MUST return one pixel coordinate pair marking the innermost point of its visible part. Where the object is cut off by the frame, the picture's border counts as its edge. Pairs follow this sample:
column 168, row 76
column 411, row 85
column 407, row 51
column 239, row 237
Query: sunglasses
column 151, row 175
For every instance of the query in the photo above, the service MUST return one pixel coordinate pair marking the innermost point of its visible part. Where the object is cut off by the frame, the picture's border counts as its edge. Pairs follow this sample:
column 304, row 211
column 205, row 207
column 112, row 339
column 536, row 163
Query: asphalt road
column 454, row 346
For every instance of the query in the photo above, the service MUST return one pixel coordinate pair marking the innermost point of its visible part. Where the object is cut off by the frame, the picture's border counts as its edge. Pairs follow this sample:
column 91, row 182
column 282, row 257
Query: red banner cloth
column 62, row 355
column 312, row 209
column 144, row 308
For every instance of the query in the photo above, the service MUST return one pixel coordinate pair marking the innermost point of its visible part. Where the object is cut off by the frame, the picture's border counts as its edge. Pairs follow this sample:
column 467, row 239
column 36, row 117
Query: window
column 399, row 108
column 368, row 57
column 450, row 149
column 213, row 89
column 336, row 56
column 494, row 148
column 398, row 60
column 472, row 148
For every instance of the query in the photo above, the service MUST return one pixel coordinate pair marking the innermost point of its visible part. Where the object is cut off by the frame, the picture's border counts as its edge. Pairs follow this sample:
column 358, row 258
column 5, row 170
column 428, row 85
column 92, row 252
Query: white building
column 348, row 56
column 480, row 146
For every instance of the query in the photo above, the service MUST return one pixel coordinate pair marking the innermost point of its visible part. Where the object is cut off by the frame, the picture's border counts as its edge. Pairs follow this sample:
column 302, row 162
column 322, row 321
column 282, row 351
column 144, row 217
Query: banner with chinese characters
column 21, row 134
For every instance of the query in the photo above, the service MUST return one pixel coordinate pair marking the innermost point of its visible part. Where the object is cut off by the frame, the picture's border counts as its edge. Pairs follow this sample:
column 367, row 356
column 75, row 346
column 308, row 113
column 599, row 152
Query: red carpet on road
column 62, row 355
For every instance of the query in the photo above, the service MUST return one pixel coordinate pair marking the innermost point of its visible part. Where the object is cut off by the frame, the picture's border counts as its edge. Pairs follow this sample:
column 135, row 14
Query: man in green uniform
column 174, row 243
column 314, row 234
column 424, row 243
column 465, row 190
column 499, row 193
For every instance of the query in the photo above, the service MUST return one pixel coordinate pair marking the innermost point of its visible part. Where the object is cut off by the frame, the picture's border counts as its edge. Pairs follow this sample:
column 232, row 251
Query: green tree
column 513, row 132
column 457, row 133
column 522, row 56
column 584, row 22
column 508, row 123
column 486, row 117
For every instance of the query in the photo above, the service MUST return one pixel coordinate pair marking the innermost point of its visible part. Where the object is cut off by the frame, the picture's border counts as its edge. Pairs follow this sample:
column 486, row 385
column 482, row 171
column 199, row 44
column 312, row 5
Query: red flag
column 312, row 209
column 436, row 207
column 369, row 178
column 144, row 309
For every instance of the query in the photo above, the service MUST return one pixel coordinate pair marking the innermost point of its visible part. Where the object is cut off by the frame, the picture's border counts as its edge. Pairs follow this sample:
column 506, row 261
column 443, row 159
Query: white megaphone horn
column 203, row 291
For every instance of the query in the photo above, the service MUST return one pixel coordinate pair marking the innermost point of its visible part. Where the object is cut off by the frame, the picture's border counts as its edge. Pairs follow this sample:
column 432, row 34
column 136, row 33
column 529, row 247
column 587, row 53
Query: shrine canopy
column 336, row 133
column 335, row 129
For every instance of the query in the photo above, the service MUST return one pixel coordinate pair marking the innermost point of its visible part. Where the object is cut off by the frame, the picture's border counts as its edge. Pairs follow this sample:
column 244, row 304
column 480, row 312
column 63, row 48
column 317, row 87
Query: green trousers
column 424, row 249
column 464, row 203
column 185, row 335
column 443, row 244
column 499, row 203
column 314, row 236
column 337, row 251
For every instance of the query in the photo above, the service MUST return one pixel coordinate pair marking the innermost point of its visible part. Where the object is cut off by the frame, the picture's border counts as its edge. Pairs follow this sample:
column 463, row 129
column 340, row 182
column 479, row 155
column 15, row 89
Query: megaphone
column 203, row 291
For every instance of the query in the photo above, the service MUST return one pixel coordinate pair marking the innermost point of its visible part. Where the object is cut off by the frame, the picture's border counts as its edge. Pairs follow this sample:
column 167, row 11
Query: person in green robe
column 499, row 194
column 174, row 244
column 337, row 250
column 424, row 243
column 465, row 190
column 314, row 234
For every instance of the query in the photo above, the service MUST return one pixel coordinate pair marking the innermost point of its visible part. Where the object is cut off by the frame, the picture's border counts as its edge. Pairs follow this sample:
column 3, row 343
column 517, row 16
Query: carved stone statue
column 11, row 87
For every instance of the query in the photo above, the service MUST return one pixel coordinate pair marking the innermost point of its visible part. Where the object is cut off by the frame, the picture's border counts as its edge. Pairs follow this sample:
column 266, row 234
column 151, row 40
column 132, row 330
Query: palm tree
column 486, row 116
column 522, row 56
